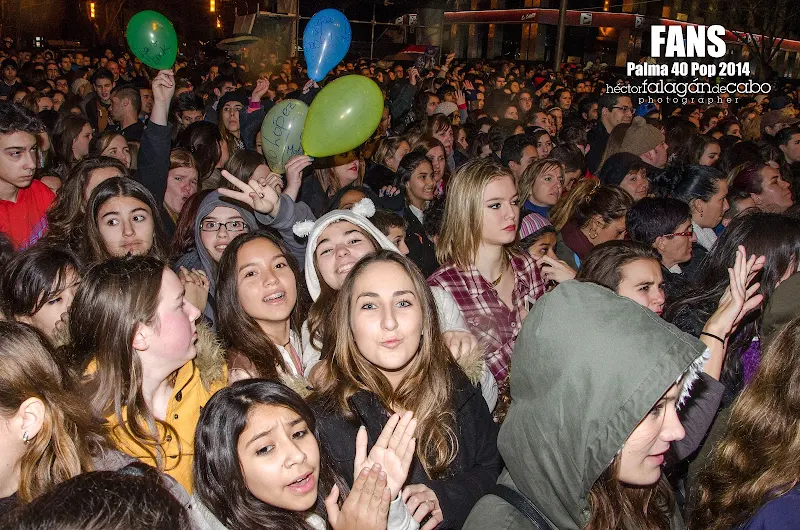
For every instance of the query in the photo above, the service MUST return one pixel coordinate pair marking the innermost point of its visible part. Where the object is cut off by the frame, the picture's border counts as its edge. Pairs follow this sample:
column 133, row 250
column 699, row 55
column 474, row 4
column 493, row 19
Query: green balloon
column 152, row 39
column 342, row 116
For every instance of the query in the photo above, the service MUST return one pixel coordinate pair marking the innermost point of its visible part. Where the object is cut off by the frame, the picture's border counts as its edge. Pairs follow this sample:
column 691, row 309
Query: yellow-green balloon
column 342, row 116
column 152, row 39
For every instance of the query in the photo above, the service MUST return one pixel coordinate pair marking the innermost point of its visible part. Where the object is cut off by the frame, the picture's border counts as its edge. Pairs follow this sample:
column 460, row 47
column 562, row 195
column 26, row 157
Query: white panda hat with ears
column 359, row 216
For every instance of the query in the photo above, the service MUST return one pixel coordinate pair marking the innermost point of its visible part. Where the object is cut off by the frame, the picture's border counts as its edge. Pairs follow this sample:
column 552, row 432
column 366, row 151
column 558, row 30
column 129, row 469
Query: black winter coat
column 471, row 475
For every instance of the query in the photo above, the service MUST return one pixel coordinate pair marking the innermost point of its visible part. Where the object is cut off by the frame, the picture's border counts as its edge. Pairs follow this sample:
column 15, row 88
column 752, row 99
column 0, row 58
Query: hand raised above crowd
column 259, row 195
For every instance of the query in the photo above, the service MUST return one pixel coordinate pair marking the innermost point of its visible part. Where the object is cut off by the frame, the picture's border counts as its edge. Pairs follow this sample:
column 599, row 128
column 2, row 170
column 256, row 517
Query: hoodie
column 588, row 367
column 199, row 258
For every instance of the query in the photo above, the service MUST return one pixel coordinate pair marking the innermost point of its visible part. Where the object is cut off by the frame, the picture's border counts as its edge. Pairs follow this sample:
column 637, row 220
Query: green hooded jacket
column 587, row 368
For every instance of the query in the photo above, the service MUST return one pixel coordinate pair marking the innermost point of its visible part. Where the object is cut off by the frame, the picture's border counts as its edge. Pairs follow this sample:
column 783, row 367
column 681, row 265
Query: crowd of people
column 525, row 302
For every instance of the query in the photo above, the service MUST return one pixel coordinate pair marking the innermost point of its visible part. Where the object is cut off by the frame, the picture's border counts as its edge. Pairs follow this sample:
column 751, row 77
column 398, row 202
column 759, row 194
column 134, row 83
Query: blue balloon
column 326, row 40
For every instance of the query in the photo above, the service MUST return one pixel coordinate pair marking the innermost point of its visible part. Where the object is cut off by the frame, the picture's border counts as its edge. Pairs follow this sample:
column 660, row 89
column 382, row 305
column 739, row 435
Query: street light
column 212, row 7
column 91, row 9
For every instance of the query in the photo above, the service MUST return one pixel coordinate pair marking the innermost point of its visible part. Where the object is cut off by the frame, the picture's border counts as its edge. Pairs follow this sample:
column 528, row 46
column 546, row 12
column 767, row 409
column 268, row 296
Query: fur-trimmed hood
column 210, row 360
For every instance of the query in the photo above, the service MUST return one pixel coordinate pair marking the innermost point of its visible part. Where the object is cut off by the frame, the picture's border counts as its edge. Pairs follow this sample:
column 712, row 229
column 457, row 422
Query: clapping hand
column 393, row 451
column 367, row 506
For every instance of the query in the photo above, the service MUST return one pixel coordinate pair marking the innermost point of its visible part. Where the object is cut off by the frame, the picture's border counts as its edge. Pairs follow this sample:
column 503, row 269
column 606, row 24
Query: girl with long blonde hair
column 384, row 353
column 493, row 284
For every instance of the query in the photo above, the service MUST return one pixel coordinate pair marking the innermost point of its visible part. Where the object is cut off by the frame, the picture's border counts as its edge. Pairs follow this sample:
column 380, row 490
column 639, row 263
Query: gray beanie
column 641, row 137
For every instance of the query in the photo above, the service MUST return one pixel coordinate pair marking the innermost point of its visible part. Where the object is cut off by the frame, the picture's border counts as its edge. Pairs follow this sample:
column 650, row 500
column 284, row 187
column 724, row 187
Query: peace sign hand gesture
column 260, row 196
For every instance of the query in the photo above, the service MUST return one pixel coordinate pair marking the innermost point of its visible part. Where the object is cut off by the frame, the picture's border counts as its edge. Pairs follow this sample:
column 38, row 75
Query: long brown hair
column 239, row 331
column 426, row 389
column 587, row 199
column 615, row 506
column 114, row 298
column 70, row 434
column 759, row 457
column 65, row 216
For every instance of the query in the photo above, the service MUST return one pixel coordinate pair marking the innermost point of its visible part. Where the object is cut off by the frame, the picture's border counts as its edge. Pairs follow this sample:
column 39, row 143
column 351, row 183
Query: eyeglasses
column 688, row 233
column 230, row 226
column 625, row 110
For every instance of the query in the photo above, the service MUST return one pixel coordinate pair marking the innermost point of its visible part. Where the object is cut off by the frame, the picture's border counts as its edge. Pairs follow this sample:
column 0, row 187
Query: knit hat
column 78, row 84
column 532, row 223
column 446, row 108
column 617, row 167
column 359, row 216
column 641, row 137
column 236, row 95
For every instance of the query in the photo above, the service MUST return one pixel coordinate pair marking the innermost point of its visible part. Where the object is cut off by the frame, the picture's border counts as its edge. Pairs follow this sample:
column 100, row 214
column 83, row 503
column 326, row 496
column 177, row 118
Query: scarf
column 706, row 237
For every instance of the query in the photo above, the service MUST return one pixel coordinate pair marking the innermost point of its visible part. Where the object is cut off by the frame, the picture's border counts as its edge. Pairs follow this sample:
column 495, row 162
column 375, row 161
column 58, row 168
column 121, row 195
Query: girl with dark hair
column 543, row 143
column 436, row 153
column 134, row 498
column 765, row 184
column 384, row 161
column 415, row 179
column 705, row 190
column 261, row 308
column 438, row 126
column 38, row 286
column 777, row 238
column 384, row 353
column 259, row 465
column 122, row 219
column 589, row 215
column 205, row 143
column 627, row 171
column 66, row 216
column 112, row 144
column 48, row 434
column 149, row 371
column 699, row 150
column 70, row 137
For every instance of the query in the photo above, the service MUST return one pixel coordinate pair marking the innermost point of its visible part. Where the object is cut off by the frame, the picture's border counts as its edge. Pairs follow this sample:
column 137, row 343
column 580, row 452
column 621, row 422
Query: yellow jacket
column 195, row 383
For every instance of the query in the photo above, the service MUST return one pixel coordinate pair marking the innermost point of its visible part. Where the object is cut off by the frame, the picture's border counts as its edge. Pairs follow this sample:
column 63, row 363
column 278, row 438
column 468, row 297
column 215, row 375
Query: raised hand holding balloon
column 282, row 131
column 326, row 40
column 343, row 116
column 152, row 39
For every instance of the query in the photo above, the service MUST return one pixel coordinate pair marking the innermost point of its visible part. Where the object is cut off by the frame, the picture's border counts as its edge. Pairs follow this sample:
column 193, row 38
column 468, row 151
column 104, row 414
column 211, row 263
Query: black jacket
column 421, row 250
column 153, row 168
column 474, row 470
column 598, row 138
column 378, row 176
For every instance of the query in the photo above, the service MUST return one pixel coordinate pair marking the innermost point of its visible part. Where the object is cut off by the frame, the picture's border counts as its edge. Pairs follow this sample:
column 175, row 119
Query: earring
column 592, row 235
column 25, row 437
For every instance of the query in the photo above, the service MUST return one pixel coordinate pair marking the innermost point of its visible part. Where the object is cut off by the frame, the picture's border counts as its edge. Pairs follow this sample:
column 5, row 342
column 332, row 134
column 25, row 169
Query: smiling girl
column 384, row 354
column 260, row 308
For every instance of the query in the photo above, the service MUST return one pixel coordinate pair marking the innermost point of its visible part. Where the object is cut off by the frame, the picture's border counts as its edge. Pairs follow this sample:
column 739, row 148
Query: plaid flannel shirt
column 494, row 325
